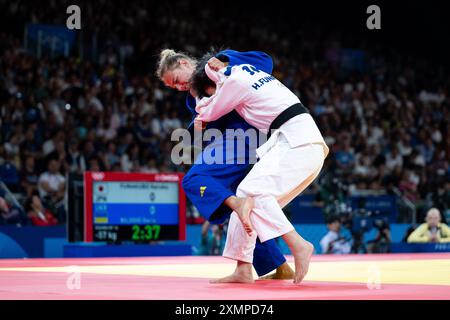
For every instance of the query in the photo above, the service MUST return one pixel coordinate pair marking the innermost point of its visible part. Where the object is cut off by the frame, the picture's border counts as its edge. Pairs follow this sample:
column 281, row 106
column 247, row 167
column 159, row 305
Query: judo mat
column 344, row 277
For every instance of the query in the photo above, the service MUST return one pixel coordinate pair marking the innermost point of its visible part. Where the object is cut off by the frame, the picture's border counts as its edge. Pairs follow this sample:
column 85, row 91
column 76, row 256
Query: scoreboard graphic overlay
column 133, row 207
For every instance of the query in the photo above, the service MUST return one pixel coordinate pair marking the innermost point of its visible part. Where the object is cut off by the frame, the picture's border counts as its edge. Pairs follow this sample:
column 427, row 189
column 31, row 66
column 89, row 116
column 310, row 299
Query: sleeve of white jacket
column 231, row 92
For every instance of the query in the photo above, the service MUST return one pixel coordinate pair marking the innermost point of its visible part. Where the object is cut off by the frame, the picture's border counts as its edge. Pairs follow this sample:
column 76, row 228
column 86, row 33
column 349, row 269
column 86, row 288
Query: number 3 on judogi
column 250, row 69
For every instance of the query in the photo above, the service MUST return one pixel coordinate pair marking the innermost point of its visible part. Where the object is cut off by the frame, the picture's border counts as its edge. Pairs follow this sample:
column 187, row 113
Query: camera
column 360, row 221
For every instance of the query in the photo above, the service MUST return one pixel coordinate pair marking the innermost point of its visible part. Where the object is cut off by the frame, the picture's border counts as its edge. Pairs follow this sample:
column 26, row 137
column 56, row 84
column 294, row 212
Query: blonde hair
column 168, row 60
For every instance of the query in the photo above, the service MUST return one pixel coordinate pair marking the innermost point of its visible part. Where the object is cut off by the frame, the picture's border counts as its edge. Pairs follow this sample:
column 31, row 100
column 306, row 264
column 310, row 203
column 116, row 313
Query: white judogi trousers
column 281, row 174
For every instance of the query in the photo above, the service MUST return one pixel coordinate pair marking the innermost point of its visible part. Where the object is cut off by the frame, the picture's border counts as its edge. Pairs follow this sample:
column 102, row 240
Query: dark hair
column 200, row 81
column 332, row 219
column 29, row 202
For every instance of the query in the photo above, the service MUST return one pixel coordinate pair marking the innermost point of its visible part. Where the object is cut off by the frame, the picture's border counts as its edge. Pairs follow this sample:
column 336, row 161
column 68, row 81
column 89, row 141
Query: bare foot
column 302, row 256
column 234, row 278
column 283, row 272
column 245, row 206
column 242, row 274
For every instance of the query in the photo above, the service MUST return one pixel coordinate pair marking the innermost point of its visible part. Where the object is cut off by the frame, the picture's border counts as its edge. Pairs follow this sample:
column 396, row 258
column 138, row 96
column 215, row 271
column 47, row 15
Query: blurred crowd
column 386, row 120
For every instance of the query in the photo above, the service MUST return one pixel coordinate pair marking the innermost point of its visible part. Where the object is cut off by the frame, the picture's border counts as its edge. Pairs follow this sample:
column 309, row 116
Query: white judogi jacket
column 259, row 98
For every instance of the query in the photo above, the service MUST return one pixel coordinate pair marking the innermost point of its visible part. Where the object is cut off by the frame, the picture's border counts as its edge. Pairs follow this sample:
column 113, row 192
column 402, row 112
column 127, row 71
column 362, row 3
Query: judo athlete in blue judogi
column 209, row 185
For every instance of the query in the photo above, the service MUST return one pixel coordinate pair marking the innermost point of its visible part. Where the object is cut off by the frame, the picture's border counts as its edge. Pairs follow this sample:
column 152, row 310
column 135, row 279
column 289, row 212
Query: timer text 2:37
column 146, row 232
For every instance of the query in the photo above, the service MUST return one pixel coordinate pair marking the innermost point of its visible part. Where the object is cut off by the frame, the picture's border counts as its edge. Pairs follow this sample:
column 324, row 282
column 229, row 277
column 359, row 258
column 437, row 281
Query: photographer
column 359, row 221
column 333, row 242
column 381, row 243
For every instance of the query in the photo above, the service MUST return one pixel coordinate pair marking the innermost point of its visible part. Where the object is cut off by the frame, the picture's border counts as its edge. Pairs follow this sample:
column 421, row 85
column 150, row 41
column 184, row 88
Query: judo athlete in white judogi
column 289, row 161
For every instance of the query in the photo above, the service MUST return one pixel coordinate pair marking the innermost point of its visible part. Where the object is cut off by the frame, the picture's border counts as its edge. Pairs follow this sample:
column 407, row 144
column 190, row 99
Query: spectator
column 74, row 158
column 30, row 146
column 12, row 147
column 333, row 242
column 404, row 145
column 111, row 155
column 345, row 157
column 143, row 129
column 50, row 145
column 408, row 185
column 51, row 184
column 130, row 159
column 29, row 176
column 38, row 214
column 106, row 129
column 174, row 122
column 432, row 230
column 126, row 140
column 382, row 241
column 428, row 150
column 95, row 164
column 393, row 160
column 363, row 166
column 9, row 174
column 150, row 167
column 10, row 214
column 156, row 125
column 143, row 106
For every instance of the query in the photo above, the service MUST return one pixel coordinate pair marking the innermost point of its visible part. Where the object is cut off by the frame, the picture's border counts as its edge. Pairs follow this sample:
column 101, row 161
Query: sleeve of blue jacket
column 259, row 59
